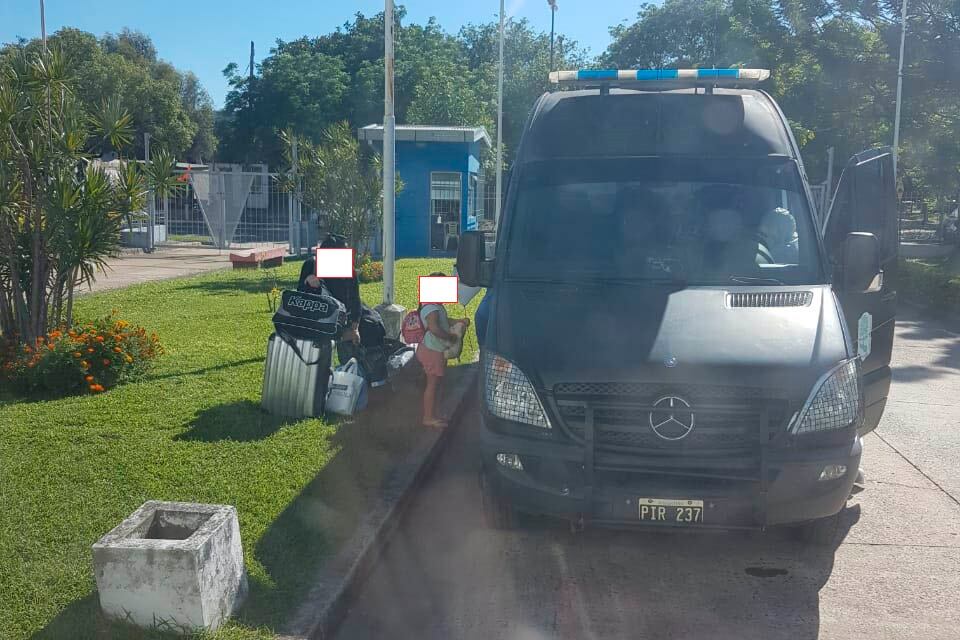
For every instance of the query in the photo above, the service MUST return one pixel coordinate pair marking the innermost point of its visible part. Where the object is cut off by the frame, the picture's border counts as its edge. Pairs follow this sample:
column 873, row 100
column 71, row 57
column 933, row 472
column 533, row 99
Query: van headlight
column 508, row 393
column 836, row 401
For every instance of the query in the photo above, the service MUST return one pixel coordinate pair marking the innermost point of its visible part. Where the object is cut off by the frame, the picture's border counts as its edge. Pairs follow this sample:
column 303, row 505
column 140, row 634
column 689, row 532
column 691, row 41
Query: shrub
column 88, row 358
column 371, row 271
column 928, row 283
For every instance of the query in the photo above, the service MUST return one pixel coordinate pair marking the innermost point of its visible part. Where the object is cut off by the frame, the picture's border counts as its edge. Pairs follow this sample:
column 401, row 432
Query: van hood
column 658, row 333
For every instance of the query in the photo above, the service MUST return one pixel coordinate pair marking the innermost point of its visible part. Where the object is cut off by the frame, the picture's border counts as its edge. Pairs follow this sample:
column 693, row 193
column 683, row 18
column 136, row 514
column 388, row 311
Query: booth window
column 445, row 207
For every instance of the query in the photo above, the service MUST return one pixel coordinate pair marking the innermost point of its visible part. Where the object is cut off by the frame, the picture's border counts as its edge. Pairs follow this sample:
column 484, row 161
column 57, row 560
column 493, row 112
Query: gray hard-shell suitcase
column 295, row 386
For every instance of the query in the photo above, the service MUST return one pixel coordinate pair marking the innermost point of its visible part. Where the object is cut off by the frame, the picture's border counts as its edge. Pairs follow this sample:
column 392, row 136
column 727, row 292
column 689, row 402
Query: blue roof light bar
column 681, row 77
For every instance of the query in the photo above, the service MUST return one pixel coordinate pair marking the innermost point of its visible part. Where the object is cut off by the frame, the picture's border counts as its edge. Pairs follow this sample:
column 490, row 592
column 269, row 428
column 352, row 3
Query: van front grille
column 725, row 419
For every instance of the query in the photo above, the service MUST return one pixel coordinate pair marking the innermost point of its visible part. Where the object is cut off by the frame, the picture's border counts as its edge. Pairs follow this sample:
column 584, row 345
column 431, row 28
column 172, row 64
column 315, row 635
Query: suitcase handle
column 293, row 345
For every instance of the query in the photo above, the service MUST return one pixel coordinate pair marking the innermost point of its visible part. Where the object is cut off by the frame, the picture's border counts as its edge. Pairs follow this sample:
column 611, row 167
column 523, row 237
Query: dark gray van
column 675, row 336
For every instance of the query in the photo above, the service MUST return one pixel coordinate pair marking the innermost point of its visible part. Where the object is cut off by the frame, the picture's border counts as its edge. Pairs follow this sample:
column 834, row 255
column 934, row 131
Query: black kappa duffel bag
column 309, row 316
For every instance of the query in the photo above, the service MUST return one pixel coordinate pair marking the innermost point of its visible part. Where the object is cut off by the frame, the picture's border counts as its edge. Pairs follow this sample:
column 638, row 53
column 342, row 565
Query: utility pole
column 896, row 121
column 293, row 202
column 496, row 217
column 151, row 198
column 391, row 313
column 43, row 25
column 828, row 192
column 553, row 15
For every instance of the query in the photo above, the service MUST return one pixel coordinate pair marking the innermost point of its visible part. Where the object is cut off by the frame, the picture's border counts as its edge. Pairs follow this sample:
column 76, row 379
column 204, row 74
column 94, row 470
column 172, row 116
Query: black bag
column 309, row 316
column 371, row 328
column 373, row 359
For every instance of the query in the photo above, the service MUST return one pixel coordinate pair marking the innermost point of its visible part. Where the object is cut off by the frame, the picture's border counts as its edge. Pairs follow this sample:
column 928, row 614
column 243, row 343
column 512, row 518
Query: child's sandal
column 436, row 423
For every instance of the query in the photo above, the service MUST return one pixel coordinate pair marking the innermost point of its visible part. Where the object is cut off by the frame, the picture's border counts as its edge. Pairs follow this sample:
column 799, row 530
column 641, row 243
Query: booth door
column 445, row 208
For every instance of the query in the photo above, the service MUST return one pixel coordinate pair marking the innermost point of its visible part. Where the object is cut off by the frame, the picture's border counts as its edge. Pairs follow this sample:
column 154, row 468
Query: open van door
column 866, row 202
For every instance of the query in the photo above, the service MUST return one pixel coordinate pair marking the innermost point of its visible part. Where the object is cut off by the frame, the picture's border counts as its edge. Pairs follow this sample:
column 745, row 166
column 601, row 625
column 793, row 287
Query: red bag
column 412, row 329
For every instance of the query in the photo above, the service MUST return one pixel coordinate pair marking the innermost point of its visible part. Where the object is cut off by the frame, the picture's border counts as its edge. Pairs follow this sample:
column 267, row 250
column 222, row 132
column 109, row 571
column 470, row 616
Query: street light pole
column 391, row 312
column 389, row 150
column 896, row 121
column 500, row 126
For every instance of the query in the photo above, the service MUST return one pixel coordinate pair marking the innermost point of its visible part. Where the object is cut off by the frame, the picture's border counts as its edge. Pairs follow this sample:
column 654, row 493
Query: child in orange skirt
column 430, row 353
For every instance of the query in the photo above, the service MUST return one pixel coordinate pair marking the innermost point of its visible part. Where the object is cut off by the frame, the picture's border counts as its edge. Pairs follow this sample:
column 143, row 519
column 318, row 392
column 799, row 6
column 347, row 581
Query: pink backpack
column 412, row 329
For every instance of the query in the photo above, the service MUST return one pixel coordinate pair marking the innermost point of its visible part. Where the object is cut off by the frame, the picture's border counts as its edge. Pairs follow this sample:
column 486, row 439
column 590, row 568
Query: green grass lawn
column 932, row 283
column 192, row 430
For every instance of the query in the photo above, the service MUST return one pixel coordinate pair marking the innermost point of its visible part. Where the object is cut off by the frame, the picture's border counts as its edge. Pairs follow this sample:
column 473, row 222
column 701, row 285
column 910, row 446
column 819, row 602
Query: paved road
column 165, row 263
column 895, row 575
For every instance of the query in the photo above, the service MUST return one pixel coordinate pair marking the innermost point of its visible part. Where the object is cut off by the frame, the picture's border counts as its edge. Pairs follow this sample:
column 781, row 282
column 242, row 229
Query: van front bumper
column 785, row 489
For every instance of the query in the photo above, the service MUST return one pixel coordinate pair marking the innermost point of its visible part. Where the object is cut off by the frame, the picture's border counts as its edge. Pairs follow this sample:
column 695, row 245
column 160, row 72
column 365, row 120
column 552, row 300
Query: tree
column 833, row 70
column 171, row 106
column 440, row 79
column 60, row 213
column 526, row 68
column 451, row 95
column 298, row 87
column 337, row 178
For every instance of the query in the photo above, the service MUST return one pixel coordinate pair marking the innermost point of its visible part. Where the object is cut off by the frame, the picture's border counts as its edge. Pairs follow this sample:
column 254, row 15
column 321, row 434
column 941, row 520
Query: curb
column 338, row 583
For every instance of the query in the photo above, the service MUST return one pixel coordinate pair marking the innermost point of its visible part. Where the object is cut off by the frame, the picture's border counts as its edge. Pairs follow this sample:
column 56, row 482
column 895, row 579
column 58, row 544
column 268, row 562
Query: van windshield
column 704, row 221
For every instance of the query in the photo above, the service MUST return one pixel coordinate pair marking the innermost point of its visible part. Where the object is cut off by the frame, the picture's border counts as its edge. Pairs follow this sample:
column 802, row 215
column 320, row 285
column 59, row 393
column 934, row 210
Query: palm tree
column 60, row 213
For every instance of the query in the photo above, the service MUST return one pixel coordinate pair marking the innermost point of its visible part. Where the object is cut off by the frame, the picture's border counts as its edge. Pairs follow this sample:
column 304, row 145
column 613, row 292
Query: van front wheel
column 498, row 513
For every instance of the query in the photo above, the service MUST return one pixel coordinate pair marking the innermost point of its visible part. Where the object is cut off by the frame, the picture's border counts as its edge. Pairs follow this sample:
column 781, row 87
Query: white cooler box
column 296, row 386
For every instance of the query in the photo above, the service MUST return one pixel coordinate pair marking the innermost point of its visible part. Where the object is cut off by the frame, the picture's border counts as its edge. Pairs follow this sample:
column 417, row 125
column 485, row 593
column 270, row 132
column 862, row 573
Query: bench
column 255, row 258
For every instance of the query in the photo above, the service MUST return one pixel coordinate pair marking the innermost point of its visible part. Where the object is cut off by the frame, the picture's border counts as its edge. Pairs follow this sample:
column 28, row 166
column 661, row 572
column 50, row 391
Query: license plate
column 671, row 511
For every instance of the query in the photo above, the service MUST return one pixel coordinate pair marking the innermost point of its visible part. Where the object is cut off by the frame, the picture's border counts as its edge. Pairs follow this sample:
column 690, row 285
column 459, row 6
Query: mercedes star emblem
column 671, row 418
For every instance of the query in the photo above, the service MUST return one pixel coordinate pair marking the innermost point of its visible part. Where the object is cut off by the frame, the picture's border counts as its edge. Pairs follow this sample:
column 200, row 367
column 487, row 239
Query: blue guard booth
column 443, row 185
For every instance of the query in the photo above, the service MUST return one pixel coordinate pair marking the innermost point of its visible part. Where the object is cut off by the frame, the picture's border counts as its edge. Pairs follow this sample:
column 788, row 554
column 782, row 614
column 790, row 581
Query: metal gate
column 227, row 210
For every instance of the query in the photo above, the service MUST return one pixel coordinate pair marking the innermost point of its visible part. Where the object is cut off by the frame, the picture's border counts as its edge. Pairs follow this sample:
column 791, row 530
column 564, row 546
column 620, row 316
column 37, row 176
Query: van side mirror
column 473, row 266
column 861, row 262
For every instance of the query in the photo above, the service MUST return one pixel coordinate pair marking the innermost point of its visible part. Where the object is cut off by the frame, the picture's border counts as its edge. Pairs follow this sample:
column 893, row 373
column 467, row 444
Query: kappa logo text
column 308, row 305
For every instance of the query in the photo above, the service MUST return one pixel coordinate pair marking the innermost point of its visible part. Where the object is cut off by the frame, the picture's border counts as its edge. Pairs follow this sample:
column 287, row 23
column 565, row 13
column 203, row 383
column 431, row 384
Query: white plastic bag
column 348, row 390
column 465, row 293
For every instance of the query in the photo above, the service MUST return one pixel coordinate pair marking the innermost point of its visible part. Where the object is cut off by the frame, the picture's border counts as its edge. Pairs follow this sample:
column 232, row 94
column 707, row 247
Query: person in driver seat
column 778, row 233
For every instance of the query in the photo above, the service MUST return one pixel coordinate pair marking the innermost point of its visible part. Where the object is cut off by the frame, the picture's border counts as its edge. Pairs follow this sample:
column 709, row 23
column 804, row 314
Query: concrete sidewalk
column 164, row 263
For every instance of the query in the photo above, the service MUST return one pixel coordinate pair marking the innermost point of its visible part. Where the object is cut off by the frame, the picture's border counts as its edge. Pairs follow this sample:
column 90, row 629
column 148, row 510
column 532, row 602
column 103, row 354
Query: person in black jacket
column 346, row 290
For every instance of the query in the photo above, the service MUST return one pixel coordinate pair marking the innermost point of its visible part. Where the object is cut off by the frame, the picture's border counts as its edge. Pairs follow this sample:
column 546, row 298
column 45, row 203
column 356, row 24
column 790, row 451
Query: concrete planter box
column 172, row 564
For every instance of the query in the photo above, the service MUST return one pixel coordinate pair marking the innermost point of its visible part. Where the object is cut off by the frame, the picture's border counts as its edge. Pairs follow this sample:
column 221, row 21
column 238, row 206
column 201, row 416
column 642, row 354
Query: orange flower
column 117, row 350
column 51, row 346
column 77, row 354
column 96, row 388
column 27, row 349
column 30, row 364
column 84, row 364
column 99, row 338
column 90, row 349
column 128, row 359
column 88, row 378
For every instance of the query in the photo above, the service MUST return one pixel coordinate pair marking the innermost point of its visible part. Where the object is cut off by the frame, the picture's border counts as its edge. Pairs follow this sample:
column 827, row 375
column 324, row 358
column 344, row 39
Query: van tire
column 498, row 513
column 822, row 532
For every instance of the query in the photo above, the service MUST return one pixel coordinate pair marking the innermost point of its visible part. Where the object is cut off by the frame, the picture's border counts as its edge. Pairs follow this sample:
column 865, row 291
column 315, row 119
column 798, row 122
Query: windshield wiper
column 752, row 280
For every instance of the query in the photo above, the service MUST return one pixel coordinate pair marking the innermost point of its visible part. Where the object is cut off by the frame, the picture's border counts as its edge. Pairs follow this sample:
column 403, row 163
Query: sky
column 204, row 36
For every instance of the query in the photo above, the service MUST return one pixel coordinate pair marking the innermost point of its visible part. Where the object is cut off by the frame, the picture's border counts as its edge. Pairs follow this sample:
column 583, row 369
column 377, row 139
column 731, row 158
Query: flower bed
column 370, row 271
column 89, row 358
